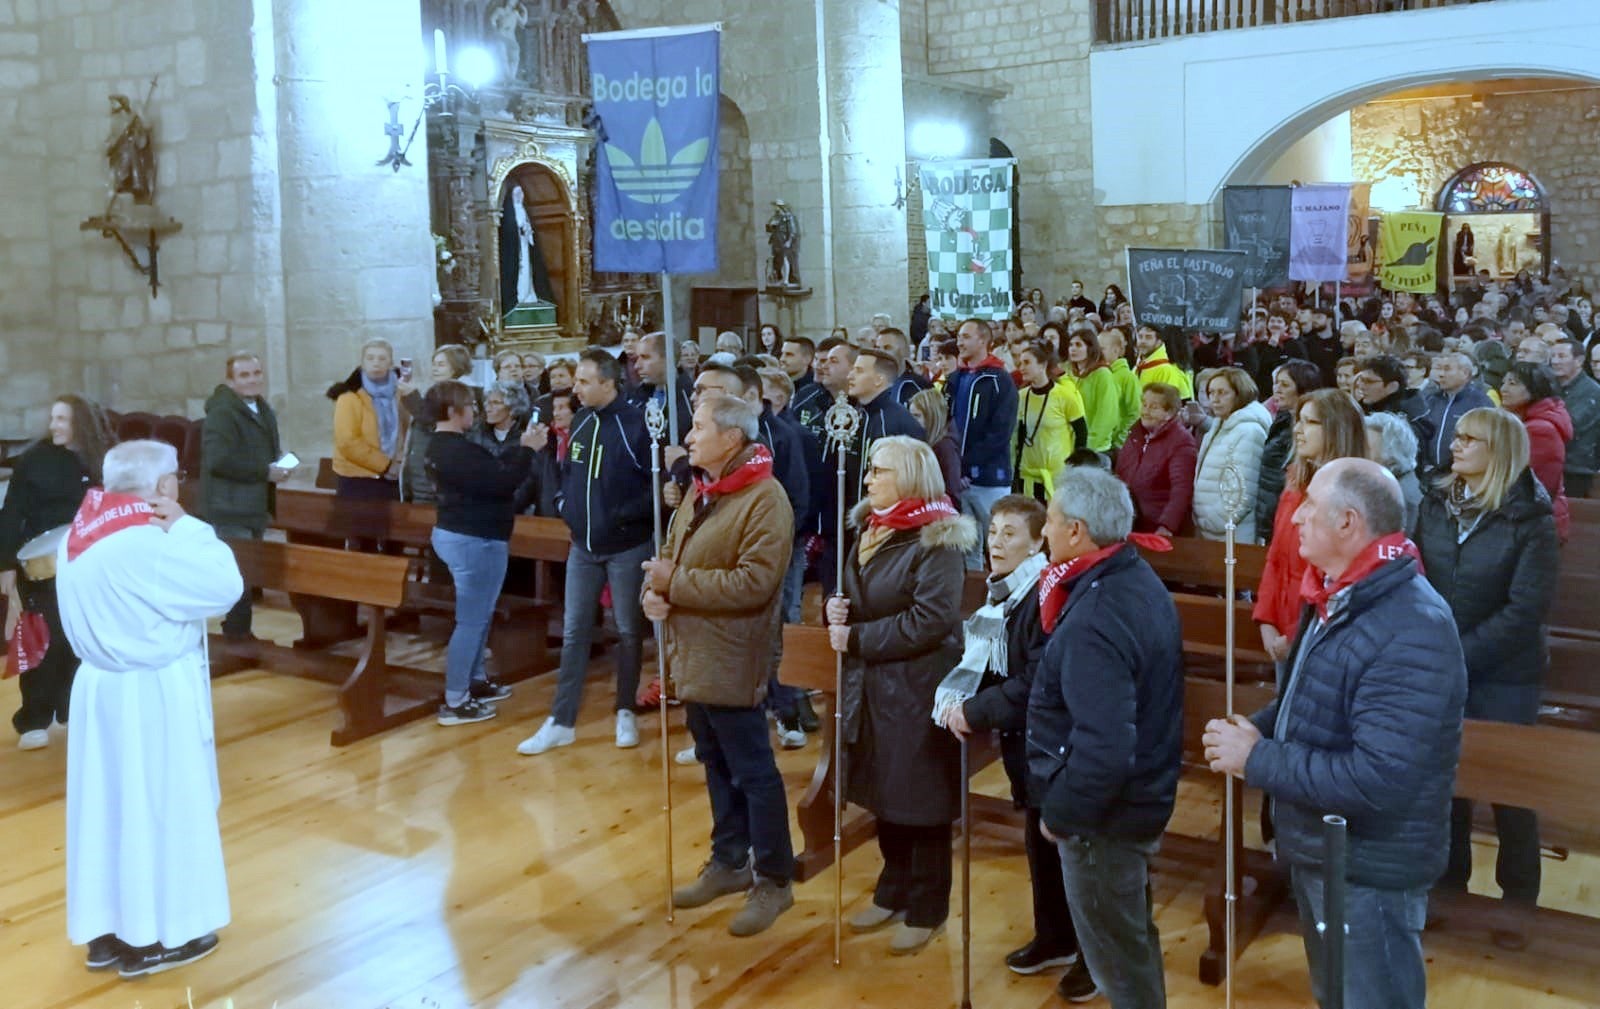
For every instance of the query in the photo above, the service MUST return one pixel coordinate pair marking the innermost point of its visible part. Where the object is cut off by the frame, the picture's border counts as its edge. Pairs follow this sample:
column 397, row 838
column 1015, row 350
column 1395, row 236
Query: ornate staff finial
column 655, row 418
column 1234, row 493
column 841, row 421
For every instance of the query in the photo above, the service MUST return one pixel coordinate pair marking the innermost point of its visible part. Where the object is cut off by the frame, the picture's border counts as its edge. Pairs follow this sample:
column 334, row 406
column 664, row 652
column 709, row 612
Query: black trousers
column 238, row 620
column 47, row 689
column 1516, row 867
column 916, row 872
column 1052, row 918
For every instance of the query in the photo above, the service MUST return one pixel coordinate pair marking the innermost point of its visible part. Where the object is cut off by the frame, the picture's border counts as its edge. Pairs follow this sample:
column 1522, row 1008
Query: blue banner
column 655, row 100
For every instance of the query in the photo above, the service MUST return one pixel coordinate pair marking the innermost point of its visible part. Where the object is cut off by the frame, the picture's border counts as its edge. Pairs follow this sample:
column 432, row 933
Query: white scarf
column 984, row 638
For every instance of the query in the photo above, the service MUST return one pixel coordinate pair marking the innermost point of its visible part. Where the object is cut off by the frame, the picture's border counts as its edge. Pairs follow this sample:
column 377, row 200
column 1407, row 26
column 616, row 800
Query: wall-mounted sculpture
column 131, row 157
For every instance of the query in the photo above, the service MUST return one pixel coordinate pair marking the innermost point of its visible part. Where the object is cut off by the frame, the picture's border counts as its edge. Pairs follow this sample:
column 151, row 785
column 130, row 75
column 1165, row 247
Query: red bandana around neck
column 1317, row 590
column 989, row 362
column 757, row 467
column 103, row 513
column 1055, row 585
column 913, row 513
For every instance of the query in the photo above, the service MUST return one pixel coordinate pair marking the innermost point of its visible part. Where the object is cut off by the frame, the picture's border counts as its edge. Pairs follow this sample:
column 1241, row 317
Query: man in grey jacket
column 1366, row 726
column 238, row 450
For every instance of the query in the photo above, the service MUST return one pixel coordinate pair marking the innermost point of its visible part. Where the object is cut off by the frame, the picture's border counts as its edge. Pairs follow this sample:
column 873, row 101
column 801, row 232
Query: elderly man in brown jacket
column 718, row 587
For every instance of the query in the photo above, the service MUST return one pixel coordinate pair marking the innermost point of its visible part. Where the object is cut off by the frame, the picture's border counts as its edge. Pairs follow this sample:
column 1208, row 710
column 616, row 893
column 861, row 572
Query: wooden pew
column 1547, row 769
column 518, row 635
column 1197, row 562
column 373, row 696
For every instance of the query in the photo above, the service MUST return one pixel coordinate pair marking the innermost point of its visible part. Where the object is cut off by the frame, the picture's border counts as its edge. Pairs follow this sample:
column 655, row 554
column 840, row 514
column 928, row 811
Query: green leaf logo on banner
column 655, row 178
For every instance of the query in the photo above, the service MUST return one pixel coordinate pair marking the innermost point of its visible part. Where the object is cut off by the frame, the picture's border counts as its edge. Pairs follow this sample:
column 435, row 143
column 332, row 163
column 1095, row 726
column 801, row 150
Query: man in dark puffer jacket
column 1367, row 726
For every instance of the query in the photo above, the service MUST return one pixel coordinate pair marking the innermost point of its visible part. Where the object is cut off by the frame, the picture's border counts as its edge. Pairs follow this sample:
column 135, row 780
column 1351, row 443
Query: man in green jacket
column 238, row 453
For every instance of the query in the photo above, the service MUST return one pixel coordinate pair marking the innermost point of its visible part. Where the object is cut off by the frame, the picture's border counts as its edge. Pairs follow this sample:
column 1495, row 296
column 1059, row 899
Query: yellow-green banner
column 1408, row 249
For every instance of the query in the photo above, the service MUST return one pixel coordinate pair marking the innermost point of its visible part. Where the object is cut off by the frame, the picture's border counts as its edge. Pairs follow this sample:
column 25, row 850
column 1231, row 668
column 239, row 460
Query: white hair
column 732, row 412
column 1097, row 499
column 135, row 467
column 730, row 342
column 1397, row 443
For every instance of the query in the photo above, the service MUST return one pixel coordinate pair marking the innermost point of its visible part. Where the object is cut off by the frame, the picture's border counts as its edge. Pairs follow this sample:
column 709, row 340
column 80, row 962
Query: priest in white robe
column 137, row 578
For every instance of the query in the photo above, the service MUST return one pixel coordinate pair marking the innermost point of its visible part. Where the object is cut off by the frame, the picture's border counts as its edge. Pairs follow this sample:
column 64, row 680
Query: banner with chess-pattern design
column 968, row 216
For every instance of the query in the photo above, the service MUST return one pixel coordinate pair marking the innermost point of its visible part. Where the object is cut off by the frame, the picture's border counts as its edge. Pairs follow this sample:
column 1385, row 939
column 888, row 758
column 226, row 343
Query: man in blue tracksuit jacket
column 606, row 502
column 983, row 412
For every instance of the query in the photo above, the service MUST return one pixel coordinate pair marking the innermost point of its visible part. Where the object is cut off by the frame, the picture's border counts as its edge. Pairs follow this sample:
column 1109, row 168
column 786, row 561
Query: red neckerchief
column 103, row 513
column 989, row 362
column 1055, row 585
column 913, row 513
column 757, row 467
column 1316, row 590
column 1146, row 364
column 563, row 442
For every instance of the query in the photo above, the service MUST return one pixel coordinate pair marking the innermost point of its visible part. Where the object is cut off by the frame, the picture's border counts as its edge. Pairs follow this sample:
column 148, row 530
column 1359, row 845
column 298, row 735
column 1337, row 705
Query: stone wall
column 31, row 367
column 1553, row 135
column 1039, row 57
column 262, row 171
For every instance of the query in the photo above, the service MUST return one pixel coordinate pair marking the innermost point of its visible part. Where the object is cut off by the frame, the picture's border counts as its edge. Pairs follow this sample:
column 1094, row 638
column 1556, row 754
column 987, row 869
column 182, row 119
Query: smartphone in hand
column 405, row 369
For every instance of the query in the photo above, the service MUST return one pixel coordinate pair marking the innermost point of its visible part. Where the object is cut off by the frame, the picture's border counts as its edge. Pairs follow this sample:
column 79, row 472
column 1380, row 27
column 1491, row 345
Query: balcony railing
column 1141, row 20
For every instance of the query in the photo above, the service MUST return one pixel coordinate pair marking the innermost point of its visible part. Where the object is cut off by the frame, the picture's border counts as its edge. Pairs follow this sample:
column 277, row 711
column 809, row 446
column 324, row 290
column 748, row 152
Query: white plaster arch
column 1176, row 121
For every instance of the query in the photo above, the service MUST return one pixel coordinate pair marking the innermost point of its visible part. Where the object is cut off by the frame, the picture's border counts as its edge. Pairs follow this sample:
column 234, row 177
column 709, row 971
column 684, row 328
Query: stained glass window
column 1492, row 187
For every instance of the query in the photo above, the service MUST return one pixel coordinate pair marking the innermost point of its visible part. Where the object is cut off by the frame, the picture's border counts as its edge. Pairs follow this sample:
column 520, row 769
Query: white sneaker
column 549, row 736
column 791, row 738
column 35, row 739
column 627, row 730
column 684, row 756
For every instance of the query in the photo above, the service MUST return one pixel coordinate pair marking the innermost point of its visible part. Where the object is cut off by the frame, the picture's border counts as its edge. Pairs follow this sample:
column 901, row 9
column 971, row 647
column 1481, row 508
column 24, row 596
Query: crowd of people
column 1403, row 459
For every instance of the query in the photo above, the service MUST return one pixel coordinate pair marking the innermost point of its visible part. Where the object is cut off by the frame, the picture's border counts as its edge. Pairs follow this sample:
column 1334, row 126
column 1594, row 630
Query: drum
column 37, row 557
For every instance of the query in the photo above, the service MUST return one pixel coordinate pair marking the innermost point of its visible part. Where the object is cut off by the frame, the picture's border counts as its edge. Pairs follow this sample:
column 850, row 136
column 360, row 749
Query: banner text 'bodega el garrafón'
column 655, row 98
column 966, row 216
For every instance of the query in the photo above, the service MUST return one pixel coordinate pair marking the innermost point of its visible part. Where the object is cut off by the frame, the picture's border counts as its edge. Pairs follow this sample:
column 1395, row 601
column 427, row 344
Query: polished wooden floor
column 433, row 868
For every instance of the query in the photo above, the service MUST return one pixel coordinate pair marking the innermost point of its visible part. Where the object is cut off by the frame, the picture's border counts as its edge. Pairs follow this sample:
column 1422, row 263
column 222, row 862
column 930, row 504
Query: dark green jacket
column 237, row 449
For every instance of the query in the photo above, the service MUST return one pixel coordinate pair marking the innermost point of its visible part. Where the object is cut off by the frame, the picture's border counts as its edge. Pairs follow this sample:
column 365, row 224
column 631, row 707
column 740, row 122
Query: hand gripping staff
column 841, row 420
column 656, row 422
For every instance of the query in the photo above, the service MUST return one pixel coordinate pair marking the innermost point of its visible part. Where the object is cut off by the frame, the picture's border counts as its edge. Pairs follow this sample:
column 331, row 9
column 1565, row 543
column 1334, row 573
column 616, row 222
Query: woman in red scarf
column 898, row 625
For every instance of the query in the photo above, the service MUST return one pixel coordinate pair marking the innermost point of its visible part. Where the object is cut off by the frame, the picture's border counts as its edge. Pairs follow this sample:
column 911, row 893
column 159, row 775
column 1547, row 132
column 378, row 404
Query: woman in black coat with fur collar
column 898, row 625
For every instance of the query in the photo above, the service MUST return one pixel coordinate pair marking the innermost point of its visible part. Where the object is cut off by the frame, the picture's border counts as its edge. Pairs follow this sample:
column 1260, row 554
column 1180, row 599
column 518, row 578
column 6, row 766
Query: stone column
column 357, row 252
column 865, row 115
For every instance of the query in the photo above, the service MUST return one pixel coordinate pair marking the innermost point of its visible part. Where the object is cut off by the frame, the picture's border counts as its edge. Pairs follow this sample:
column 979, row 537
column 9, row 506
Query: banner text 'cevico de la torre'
column 655, row 100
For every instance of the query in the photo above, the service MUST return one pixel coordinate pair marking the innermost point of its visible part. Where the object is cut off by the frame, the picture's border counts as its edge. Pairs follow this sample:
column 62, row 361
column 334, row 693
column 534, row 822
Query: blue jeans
column 978, row 502
column 1383, row 967
column 478, row 568
column 782, row 700
column 1107, row 883
column 749, row 812
column 587, row 575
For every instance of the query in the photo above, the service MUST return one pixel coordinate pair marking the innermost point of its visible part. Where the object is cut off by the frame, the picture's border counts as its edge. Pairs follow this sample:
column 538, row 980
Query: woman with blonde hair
column 898, row 626
column 932, row 411
column 1328, row 426
column 1488, row 540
